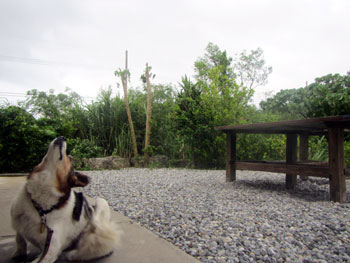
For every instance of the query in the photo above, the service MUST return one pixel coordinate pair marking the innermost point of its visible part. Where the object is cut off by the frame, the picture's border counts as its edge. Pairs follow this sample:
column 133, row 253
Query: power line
column 41, row 62
column 18, row 95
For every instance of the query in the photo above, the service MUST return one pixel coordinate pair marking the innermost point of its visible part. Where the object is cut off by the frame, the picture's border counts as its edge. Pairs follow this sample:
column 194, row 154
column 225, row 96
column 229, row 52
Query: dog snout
column 59, row 140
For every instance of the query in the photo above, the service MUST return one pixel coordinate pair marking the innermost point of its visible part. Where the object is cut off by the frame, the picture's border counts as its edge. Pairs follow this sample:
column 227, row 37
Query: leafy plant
column 327, row 96
column 123, row 147
column 83, row 148
column 23, row 140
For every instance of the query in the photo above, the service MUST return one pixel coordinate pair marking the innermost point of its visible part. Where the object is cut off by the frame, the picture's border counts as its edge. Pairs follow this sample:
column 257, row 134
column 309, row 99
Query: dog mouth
column 60, row 140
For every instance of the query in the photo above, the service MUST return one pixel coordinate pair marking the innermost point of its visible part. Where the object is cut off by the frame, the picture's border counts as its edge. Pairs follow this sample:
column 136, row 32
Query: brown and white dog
column 57, row 220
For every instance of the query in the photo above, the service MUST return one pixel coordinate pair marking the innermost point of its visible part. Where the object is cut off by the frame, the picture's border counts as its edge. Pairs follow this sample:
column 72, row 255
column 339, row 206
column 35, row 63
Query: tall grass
column 106, row 118
column 123, row 146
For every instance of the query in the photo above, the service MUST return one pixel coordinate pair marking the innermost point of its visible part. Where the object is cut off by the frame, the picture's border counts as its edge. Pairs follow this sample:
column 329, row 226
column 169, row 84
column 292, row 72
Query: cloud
column 301, row 39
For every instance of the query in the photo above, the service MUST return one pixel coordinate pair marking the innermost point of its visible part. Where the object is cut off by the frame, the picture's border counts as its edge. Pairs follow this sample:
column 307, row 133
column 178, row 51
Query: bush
column 83, row 148
column 261, row 147
column 23, row 143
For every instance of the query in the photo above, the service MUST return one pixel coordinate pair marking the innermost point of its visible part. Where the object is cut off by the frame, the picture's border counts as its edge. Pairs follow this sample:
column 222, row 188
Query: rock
column 108, row 163
column 156, row 161
column 193, row 252
column 183, row 163
column 77, row 162
column 251, row 220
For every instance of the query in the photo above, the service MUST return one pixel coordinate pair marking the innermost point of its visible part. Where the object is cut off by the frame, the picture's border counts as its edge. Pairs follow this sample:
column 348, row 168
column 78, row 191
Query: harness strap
column 47, row 243
column 41, row 211
column 80, row 204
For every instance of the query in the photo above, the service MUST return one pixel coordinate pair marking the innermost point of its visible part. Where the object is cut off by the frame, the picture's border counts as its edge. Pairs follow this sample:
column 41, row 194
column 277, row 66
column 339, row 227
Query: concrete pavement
column 137, row 244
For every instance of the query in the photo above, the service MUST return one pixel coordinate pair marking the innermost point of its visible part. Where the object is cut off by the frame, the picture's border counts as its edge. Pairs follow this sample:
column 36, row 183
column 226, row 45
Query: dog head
column 58, row 166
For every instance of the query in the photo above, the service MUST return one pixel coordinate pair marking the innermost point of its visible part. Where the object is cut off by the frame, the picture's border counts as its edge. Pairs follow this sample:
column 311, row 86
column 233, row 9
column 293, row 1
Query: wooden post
column 304, row 151
column 291, row 158
column 230, row 157
column 336, row 161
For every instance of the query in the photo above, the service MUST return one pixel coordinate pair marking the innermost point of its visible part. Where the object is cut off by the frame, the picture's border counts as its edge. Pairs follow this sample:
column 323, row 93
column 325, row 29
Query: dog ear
column 79, row 180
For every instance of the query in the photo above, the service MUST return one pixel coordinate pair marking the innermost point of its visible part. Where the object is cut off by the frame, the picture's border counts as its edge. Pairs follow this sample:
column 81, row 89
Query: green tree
column 54, row 110
column 327, row 96
column 289, row 103
column 250, row 69
column 213, row 58
column 23, row 142
column 214, row 99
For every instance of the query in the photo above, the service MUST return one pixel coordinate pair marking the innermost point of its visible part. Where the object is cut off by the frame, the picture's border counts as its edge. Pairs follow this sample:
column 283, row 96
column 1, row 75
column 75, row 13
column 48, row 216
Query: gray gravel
column 253, row 219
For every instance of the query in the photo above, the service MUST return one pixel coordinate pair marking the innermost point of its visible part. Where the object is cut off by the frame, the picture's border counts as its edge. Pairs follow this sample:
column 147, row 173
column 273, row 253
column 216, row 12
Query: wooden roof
column 305, row 126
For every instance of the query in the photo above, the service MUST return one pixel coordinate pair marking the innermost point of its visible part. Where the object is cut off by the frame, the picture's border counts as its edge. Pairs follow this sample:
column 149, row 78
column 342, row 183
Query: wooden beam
column 291, row 158
column 336, row 162
column 274, row 167
column 230, row 157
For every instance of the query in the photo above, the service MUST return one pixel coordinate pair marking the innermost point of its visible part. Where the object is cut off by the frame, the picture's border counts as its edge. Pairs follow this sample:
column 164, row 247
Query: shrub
column 23, row 143
column 83, row 148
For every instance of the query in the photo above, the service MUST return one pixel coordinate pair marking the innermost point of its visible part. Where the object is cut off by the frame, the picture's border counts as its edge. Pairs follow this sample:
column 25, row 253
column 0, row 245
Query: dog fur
column 79, row 231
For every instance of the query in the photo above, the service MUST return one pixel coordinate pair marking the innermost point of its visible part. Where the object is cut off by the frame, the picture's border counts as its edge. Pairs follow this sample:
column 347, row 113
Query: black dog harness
column 80, row 203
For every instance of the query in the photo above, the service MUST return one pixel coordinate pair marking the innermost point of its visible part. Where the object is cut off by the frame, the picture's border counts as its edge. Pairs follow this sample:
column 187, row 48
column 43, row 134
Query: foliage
column 123, row 144
column 250, row 69
column 327, row 96
column 49, row 105
column 260, row 146
column 214, row 99
column 83, row 148
column 106, row 118
column 23, row 140
column 164, row 138
column 213, row 58
column 318, row 148
column 290, row 104
column 54, row 110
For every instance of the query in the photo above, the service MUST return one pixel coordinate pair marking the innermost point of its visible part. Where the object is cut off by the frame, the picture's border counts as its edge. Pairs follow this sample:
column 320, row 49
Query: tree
column 289, row 104
column 214, row 99
column 124, row 76
column 327, row 96
column 23, row 141
column 250, row 69
column 148, row 113
column 213, row 58
column 54, row 110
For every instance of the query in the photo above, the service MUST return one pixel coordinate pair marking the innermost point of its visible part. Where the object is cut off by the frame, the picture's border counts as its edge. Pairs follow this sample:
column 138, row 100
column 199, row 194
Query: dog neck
column 42, row 190
column 44, row 211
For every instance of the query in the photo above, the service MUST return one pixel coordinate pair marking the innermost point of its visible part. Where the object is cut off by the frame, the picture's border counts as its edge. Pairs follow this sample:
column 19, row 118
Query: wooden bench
column 333, row 127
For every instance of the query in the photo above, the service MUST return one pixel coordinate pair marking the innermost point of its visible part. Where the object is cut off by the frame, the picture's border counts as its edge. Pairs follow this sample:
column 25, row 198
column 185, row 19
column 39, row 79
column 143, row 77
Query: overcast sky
column 78, row 44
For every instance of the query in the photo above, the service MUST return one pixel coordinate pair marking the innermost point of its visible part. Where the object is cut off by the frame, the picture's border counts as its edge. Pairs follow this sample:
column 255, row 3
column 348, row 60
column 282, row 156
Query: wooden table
column 333, row 127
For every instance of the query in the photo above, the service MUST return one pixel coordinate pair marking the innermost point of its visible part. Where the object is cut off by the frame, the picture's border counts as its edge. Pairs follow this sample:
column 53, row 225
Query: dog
column 59, row 221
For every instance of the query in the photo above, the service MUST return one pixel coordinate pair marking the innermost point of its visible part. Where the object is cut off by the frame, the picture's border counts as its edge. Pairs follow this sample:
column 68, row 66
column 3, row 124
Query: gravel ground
column 253, row 219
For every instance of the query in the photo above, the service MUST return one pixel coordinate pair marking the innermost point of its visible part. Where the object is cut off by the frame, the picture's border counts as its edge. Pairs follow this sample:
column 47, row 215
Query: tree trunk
column 148, row 116
column 124, row 78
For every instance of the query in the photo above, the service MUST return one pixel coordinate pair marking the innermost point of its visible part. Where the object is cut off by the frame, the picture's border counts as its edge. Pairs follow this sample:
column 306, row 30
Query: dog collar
column 61, row 201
